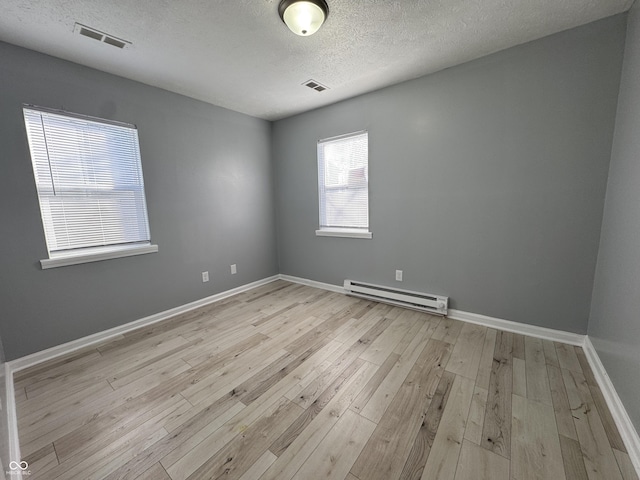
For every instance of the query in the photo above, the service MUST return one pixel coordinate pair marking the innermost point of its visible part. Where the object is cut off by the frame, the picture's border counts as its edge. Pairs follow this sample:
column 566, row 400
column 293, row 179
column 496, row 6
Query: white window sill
column 342, row 232
column 95, row 255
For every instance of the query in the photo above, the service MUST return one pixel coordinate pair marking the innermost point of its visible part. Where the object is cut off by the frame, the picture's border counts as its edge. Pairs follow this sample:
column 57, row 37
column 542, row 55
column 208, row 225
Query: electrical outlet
column 399, row 275
column 205, row 277
column 234, row 270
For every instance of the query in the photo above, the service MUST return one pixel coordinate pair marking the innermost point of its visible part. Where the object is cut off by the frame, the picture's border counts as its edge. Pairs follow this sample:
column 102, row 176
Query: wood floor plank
column 106, row 429
column 535, row 448
column 448, row 330
column 567, row 357
column 284, row 326
column 249, row 391
column 179, row 443
column 42, row 460
column 476, row 463
column 475, row 422
column 626, row 467
column 373, row 384
column 420, row 320
column 597, row 452
column 519, row 377
column 182, row 439
column 35, row 414
column 550, row 355
column 496, row 433
column 486, row 360
column 317, row 364
column 572, row 458
column 378, row 402
column 606, row 417
column 362, row 324
column 538, row 388
column 443, row 458
column 561, row 408
column 355, row 326
column 50, row 368
column 181, row 463
column 166, row 367
column 141, row 350
column 465, row 357
column 75, row 415
column 117, row 453
column 613, row 434
column 184, row 462
column 205, row 388
column 586, row 368
column 206, row 351
column 386, row 451
column 423, row 442
column 238, row 455
column 385, row 343
column 336, row 453
column 99, row 465
column 156, row 472
column 55, row 369
column 519, row 348
column 290, row 461
column 311, row 411
column 20, row 394
column 316, row 387
column 260, row 466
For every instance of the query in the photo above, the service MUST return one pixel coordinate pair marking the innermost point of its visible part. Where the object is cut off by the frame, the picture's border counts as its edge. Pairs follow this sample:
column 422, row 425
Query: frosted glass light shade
column 303, row 17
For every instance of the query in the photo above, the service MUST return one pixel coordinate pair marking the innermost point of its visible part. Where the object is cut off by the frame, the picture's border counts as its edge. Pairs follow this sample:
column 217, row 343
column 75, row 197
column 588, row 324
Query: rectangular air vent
column 100, row 36
column 317, row 86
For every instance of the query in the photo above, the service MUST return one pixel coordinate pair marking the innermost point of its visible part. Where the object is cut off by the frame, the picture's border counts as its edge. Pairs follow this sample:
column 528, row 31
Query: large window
column 343, row 186
column 89, row 181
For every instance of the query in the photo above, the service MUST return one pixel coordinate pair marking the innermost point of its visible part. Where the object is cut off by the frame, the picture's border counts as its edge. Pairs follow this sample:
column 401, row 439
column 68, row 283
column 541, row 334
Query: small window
column 343, row 186
column 90, row 187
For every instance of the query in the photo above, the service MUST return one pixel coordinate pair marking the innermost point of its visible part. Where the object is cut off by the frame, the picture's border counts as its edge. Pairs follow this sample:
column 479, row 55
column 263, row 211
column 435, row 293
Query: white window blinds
column 343, row 182
column 89, row 181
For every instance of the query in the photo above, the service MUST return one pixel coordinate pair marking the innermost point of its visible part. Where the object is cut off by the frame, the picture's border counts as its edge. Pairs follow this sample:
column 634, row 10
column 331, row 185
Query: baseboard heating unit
column 425, row 302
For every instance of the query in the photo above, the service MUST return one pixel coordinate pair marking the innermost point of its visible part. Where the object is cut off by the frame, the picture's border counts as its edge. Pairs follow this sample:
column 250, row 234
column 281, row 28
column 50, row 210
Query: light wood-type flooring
column 291, row 382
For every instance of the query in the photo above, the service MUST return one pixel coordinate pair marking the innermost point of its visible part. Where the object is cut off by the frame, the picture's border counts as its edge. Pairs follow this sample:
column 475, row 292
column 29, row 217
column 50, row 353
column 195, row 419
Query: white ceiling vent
column 317, row 86
column 100, row 36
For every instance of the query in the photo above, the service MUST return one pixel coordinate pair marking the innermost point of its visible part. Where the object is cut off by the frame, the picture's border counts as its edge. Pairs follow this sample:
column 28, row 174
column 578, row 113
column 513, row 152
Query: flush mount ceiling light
column 303, row 17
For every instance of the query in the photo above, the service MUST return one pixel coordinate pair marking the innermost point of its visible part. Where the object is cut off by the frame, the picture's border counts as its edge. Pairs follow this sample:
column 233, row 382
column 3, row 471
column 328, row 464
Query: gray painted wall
column 614, row 325
column 4, row 419
column 487, row 180
column 209, row 190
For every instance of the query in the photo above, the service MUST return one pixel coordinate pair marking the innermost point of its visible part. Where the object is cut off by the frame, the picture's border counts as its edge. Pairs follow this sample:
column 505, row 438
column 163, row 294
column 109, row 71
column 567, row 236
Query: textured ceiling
column 238, row 54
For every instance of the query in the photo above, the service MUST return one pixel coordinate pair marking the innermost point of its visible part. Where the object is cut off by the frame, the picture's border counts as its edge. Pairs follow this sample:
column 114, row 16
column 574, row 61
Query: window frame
column 78, row 255
column 333, row 231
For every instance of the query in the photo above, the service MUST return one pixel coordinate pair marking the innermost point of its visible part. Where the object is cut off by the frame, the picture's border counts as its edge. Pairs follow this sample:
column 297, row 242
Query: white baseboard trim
column 313, row 283
column 628, row 432
column 69, row 347
column 521, row 328
column 12, row 421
